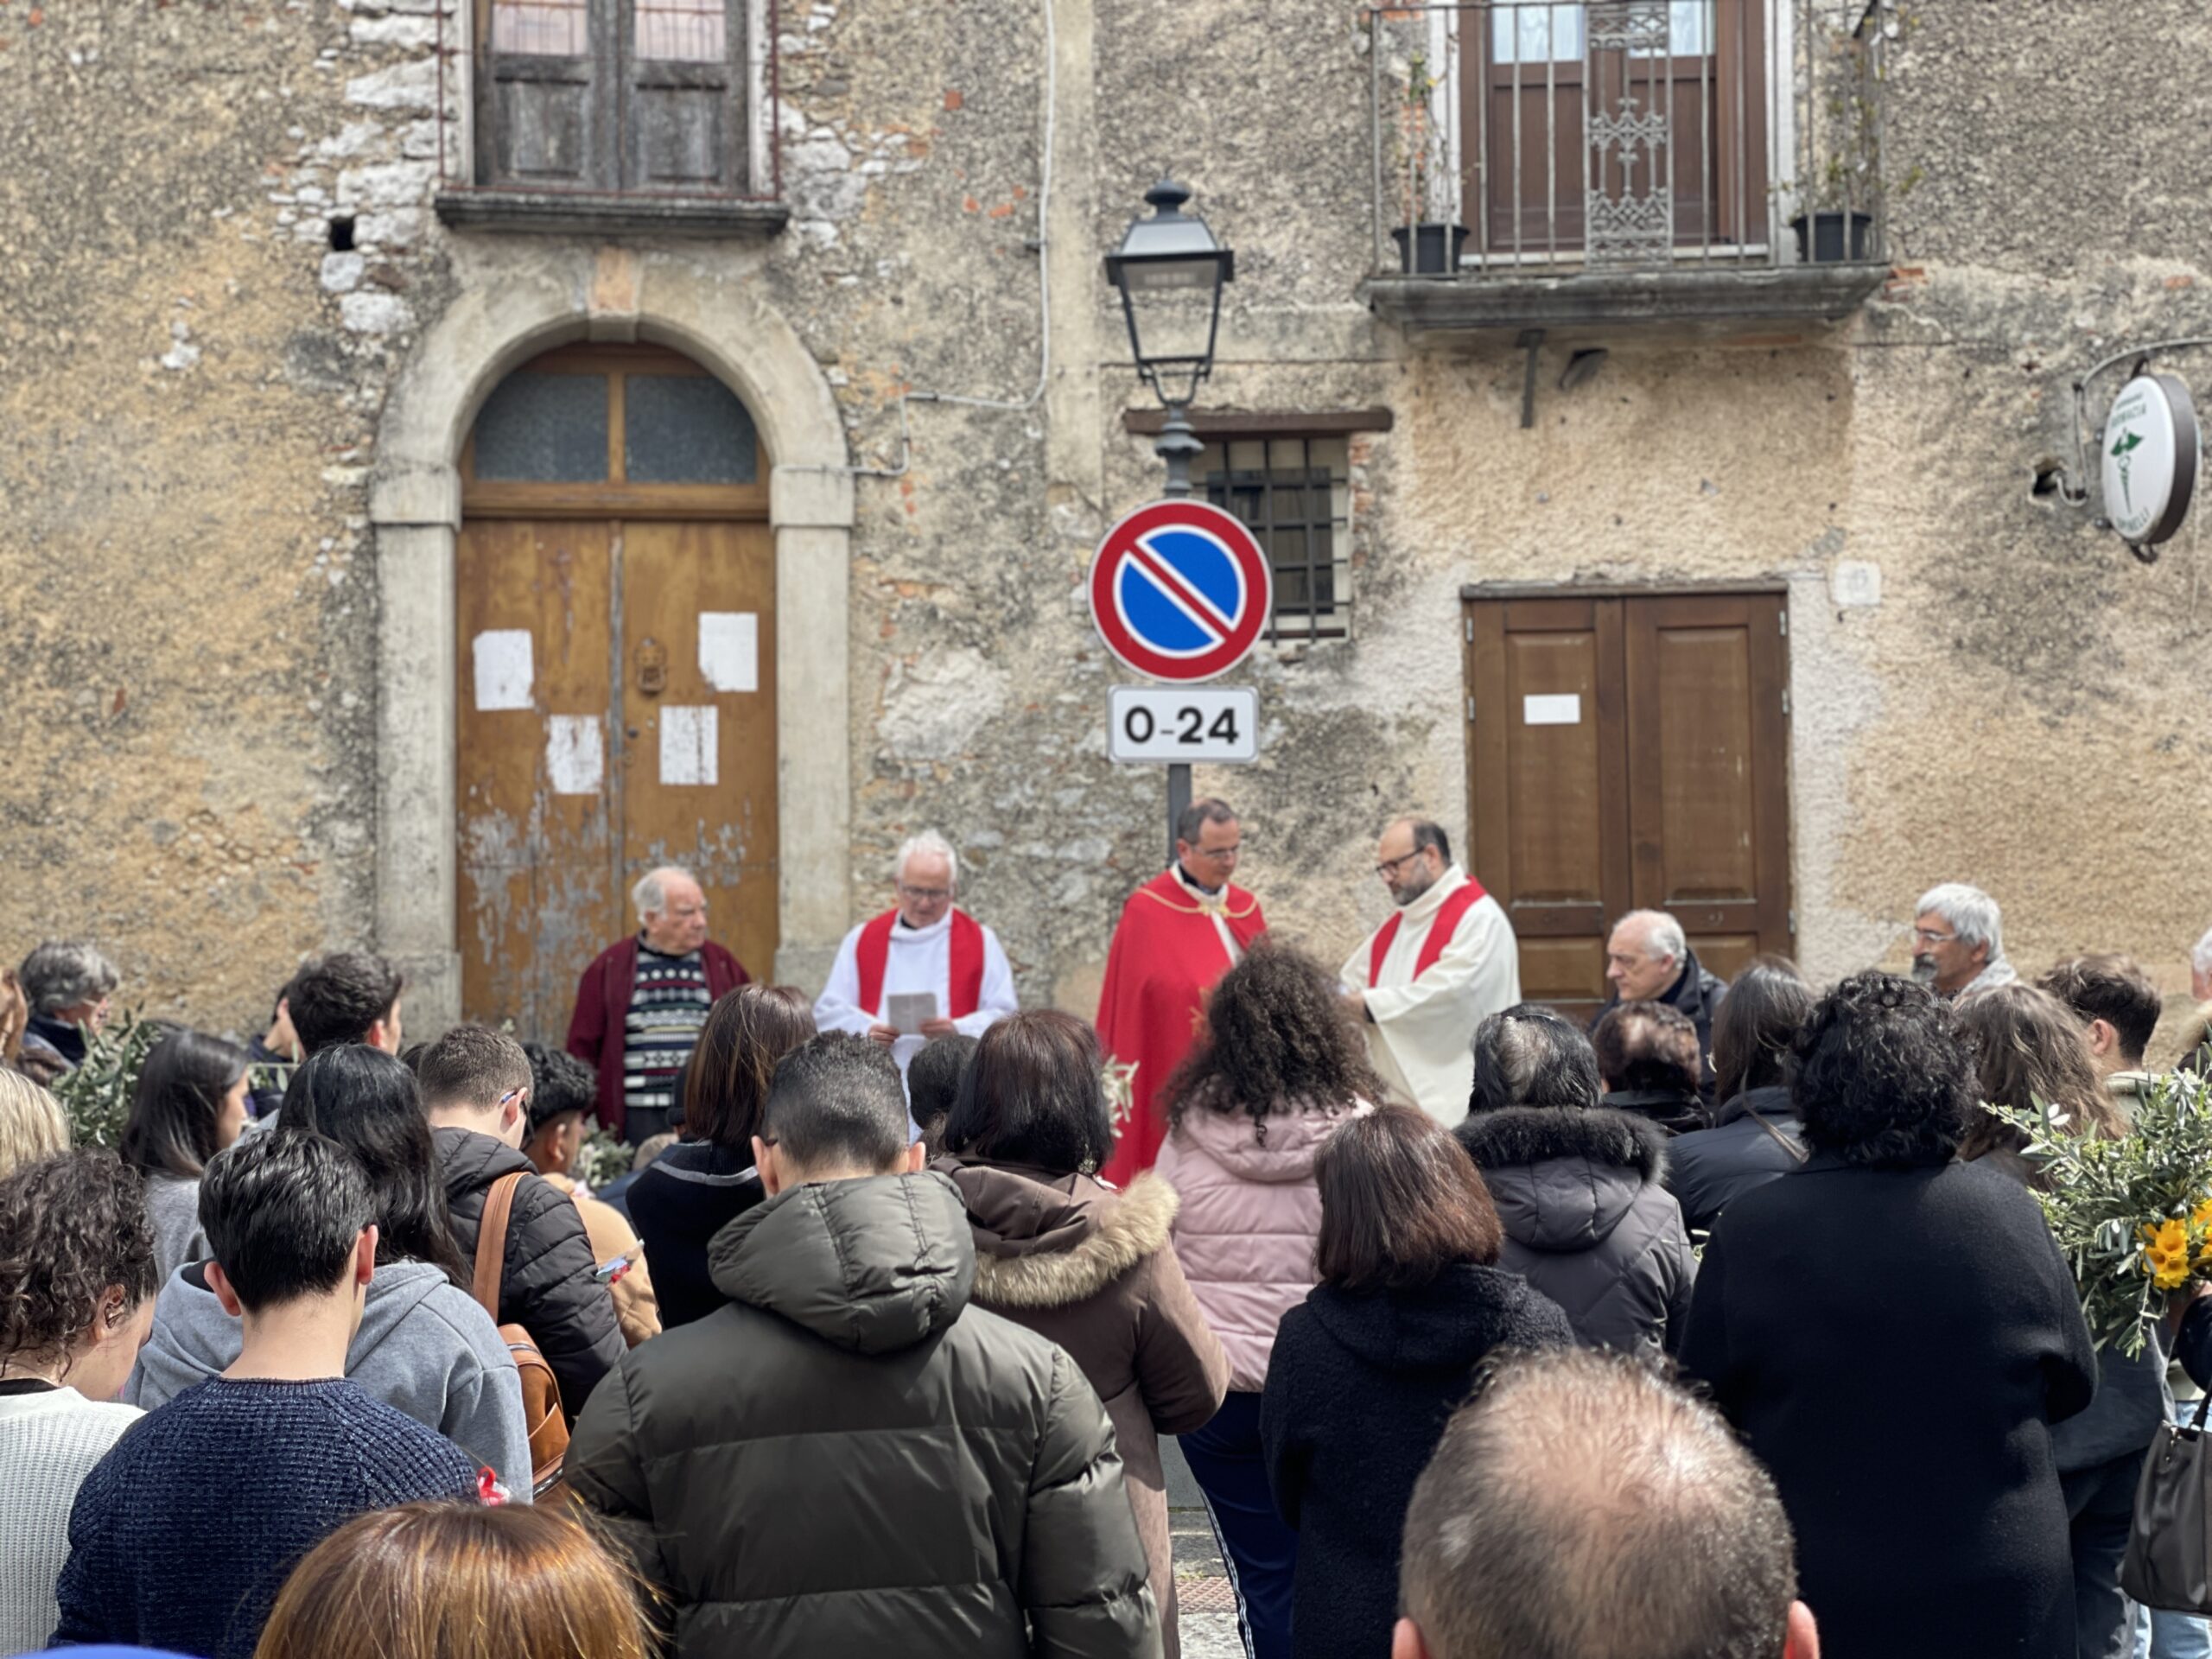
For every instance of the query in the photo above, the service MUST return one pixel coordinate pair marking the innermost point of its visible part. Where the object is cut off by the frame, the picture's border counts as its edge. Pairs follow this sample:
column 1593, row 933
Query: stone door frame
column 501, row 319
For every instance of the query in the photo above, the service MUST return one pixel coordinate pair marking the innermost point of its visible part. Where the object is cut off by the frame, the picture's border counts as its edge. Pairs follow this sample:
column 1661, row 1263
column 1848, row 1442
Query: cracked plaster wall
column 191, row 380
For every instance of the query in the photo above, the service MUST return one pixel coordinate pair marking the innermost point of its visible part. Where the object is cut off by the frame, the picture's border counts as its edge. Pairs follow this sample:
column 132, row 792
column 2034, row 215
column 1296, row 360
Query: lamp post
column 1169, row 271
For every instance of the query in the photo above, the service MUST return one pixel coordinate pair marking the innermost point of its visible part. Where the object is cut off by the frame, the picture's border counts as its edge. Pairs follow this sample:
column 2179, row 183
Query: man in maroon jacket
column 641, row 1002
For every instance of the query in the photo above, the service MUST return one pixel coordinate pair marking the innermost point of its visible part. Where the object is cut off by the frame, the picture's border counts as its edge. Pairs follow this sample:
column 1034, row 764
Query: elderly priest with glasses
column 1443, row 960
column 924, row 968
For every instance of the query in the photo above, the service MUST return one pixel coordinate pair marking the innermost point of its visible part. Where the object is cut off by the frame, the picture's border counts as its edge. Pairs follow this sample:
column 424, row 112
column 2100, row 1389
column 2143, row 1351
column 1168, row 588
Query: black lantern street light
column 1169, row 271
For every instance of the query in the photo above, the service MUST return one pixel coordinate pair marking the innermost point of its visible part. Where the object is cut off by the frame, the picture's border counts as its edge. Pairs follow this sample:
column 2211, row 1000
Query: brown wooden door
column 1628, row 752
column 617, row 713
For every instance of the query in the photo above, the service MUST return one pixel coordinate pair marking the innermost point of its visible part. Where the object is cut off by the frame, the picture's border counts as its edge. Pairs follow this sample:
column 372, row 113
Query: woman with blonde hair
column 456, row 1581
column 31, row 1123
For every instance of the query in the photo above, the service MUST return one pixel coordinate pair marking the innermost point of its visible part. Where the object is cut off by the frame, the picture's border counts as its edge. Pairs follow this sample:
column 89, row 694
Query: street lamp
column 1169, row 271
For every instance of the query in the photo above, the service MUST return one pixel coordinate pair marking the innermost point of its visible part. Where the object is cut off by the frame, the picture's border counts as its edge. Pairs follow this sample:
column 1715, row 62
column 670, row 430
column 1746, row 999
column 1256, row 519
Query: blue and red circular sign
column 1180, row 590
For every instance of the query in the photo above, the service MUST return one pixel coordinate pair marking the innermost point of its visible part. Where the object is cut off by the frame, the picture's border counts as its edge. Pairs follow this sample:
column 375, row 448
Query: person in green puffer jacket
column 849, row 1458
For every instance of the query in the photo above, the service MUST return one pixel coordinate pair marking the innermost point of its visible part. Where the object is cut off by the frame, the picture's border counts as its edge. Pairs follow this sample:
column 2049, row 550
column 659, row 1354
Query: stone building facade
column 252, row 309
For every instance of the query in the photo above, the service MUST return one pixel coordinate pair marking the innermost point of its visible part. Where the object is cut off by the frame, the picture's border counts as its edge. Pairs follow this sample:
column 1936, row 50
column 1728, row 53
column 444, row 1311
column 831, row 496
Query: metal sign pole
column 1177, row 445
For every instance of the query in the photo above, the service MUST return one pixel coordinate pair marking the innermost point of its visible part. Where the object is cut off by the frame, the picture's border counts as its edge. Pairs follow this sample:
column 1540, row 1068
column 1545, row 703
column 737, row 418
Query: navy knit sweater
column 183, row 1534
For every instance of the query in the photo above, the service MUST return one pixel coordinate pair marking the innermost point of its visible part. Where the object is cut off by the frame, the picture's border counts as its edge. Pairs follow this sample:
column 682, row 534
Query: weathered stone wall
column 192, row 381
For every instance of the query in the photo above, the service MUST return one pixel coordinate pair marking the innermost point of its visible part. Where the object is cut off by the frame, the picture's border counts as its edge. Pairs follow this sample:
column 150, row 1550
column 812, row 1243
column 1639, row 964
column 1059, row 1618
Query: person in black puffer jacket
column 1756, row 1137
column 706, row 1181
column 1578, row 1188
column 475, row 1086
column 1369, row 1368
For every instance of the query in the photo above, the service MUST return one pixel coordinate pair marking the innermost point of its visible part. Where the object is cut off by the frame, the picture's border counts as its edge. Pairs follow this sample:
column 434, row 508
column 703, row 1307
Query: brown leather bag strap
column 1789, row 1145
column 492, row 1241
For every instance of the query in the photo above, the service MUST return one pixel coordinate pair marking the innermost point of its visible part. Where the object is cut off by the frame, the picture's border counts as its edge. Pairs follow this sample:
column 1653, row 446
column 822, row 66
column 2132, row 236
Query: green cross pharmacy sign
column 2151, row 449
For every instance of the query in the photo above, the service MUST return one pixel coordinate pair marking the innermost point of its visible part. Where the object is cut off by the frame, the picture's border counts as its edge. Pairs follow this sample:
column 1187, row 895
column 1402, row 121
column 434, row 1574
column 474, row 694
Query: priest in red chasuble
column 1180, row 932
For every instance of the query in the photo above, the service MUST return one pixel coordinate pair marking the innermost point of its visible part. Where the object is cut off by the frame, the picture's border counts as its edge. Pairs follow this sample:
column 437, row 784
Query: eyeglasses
column 1926, row 936
column 924, row 895
column 520, row 1096
column 1217, row 854
column 1388, row 867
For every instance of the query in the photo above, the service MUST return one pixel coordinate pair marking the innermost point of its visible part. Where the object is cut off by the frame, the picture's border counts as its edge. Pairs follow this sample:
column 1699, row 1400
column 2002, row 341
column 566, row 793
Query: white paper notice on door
column 690, row 746
column 575, row 754
column 503, row 668
column 1552, row 708
column 730, row 650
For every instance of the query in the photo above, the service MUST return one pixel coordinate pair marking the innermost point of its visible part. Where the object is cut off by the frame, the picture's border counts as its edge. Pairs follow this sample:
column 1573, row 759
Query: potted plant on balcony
column 1848, row 69
column 1428, row 240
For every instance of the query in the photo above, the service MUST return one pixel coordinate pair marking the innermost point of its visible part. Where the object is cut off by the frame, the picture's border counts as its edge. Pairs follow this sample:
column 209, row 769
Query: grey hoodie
column 424, row 1348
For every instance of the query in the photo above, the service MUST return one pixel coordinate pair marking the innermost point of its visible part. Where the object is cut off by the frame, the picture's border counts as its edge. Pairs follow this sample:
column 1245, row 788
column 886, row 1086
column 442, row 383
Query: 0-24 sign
column 1179, row 724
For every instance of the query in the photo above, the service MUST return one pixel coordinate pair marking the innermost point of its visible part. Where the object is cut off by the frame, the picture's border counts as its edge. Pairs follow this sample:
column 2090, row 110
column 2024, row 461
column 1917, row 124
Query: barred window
column 1295, row 495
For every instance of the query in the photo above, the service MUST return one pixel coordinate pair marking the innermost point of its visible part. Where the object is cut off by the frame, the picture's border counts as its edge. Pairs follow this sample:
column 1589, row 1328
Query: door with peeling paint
column 614, row 595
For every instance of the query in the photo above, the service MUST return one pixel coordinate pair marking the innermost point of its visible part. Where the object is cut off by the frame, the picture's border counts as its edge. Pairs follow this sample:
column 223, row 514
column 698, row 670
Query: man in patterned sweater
column 183, row 1534
column 641, row 1002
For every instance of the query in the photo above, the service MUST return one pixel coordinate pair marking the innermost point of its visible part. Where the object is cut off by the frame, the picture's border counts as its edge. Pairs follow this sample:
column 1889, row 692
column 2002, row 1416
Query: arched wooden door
column 615, row 597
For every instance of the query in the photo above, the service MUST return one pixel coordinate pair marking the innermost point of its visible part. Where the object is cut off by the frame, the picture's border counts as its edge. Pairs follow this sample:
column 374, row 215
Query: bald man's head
column 1581, row 1506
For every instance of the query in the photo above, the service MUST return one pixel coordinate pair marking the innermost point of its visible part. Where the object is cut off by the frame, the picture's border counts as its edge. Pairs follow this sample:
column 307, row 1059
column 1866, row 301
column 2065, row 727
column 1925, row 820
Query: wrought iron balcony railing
column 1641, row 145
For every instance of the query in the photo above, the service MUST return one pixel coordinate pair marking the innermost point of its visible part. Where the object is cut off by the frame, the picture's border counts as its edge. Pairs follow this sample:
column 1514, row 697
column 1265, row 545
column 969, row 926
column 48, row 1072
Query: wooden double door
column 646, row 737
column 1630, row 751
column 615, row 610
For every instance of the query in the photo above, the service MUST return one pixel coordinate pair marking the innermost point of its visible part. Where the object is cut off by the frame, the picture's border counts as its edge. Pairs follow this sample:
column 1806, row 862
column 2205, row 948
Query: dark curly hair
column 71, row 1226
column 1885, row 1077
column 1278, row 1038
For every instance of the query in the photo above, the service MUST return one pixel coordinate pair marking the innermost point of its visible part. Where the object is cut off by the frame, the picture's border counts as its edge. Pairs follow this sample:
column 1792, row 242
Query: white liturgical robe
column 915, row 959
column 1421, row 1028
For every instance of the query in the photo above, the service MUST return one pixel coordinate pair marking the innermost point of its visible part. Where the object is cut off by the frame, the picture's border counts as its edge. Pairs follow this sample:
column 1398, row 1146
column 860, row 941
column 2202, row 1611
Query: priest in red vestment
column 1180, row 932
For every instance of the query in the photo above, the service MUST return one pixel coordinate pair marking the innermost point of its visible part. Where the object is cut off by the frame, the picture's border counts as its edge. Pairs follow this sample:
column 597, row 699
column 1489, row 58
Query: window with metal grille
column 1295, row 495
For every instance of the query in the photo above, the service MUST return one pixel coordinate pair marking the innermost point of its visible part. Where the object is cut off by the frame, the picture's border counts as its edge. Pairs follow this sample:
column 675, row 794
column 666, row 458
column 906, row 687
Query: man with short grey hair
column 924, row 947
column 640, row 1004
column 69, row 986
column 1648, row 959
column 1958, row 942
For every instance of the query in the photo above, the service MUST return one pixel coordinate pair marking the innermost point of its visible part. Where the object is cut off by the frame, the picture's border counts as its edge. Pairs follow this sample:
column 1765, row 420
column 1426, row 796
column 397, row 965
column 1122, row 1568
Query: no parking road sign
column 1180, row 590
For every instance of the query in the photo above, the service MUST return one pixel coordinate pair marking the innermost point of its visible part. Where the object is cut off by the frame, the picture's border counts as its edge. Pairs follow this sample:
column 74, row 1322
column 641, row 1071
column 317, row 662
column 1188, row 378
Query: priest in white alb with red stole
column 925, row 944
column 1180, row 932
column 1443, row 961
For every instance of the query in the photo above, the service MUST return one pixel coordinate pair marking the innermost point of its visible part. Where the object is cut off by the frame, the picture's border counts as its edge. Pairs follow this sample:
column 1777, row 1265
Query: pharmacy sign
column 2151, row 449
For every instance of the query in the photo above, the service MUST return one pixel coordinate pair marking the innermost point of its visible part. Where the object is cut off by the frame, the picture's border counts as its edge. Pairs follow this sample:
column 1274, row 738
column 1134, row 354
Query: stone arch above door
column 539, row 299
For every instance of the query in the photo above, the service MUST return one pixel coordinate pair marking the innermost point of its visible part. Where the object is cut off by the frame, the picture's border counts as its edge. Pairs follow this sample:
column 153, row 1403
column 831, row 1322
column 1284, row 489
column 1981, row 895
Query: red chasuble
column 1166, row 956
column 871, row 952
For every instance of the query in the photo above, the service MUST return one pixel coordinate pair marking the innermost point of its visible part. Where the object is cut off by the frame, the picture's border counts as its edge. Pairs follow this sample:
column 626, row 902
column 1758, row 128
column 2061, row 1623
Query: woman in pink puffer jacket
column 1279, row 1065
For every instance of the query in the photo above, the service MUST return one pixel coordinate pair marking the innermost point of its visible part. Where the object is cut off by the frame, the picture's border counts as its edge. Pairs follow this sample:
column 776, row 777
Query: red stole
column 873, row 951
column 1441, row 929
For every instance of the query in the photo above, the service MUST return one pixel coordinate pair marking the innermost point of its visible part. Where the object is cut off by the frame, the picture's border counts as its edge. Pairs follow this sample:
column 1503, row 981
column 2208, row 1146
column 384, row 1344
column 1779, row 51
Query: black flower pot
column 1828, row 238
column 1429, row 249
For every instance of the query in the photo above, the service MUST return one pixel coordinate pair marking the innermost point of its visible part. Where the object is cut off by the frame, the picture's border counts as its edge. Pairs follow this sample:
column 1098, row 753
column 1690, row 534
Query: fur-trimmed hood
column 1564, row 1177
column 1051, row 1241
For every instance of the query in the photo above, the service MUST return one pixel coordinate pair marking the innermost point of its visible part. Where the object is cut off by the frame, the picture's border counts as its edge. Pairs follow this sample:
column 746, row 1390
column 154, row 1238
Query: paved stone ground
column 1209, row 1607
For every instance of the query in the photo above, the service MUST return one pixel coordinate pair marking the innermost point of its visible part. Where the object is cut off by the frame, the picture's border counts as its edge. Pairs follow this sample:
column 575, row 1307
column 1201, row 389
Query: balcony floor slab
column 1702, row 298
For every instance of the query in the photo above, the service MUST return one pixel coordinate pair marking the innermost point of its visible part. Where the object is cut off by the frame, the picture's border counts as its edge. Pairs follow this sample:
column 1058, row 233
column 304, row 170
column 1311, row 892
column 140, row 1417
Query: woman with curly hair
column 77, row 1287
column 1896, row 1335
column 1279, row 1064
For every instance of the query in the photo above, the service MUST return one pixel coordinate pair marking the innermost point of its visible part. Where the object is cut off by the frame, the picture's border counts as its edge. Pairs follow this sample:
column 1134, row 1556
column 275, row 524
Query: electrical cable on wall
column 1044, row 288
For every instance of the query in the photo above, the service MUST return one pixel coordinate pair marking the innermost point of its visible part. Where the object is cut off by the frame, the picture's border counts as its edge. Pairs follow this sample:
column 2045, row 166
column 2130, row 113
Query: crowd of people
column 1724, row 1325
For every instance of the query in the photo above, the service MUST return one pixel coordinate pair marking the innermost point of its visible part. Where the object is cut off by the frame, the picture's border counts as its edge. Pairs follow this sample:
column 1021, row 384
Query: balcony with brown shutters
column 1709, row 166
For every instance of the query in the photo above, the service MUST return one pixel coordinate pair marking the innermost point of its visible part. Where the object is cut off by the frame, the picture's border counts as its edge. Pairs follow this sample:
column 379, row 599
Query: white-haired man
column 1958, row 941
column 923, row 946
column 641, row 1002
column 1648, row 959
